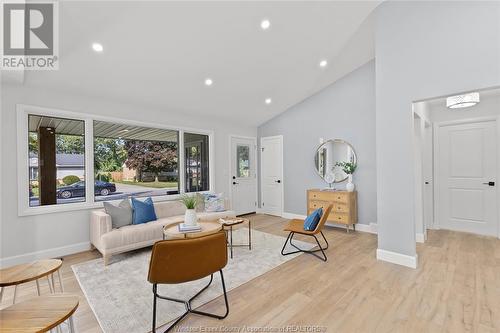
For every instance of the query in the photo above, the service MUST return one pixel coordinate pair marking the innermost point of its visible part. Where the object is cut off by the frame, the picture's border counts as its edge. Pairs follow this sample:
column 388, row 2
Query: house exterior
column 66, row 164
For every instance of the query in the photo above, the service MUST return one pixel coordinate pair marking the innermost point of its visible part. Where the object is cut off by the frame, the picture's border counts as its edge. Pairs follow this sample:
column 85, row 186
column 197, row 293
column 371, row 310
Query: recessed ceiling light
column 265, row 24
column 323, row 63
column 268, row 101
column 208, row 82
column 97, row 47
column 462, row 101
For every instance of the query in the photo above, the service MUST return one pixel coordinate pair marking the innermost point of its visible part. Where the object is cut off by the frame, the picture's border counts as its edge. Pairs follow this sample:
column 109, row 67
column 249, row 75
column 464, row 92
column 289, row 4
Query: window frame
column 24, row 110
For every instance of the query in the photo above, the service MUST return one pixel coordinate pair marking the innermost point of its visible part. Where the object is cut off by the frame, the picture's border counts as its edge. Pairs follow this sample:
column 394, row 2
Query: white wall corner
column 45, row 254
column 420, row 238
column 397, row 258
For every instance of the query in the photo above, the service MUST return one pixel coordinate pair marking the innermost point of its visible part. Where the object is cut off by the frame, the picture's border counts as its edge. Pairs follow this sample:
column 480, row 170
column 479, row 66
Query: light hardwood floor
column 455, row 289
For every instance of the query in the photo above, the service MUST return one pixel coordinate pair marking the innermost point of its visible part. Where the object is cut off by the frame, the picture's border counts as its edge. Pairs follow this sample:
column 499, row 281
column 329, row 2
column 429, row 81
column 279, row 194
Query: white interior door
column 428, row 176
column 272, row 175
column 243, row 175
column 467, row 169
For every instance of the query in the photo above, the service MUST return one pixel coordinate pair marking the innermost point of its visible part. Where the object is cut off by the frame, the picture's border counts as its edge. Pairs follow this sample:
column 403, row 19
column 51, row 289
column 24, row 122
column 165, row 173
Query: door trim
column 230, row 181
column 437, row 126
column 280, row 137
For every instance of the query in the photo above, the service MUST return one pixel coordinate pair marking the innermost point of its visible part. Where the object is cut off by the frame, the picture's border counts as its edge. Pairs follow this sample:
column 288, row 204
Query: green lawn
column 149, row 184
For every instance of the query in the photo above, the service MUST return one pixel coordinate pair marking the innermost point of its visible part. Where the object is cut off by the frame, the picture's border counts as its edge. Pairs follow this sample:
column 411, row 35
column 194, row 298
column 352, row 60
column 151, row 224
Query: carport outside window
column 56, row 155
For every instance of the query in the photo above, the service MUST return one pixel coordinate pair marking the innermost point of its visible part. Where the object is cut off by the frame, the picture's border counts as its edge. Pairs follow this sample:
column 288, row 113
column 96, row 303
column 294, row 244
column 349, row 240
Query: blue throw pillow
column 144, row 211
column 312, row 220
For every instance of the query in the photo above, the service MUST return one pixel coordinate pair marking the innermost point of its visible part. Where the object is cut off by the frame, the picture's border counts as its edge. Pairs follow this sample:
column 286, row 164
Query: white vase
column 349, row 186
column 190, row 217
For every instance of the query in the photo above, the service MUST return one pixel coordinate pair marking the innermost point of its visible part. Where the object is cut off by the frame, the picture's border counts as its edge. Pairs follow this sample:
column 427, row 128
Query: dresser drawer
column 315, row 204
column 340, row 208
column 339, row 218
column 329, row 196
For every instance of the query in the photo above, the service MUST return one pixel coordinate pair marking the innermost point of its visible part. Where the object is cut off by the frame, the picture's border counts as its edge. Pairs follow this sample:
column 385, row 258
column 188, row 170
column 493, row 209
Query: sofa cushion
column 121, row 215
column 144, row 211
column 169, row 208
column 134, row 233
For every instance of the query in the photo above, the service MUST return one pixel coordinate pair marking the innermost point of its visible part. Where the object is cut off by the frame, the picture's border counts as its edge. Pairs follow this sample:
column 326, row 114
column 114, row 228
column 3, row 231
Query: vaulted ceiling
column 160, row 53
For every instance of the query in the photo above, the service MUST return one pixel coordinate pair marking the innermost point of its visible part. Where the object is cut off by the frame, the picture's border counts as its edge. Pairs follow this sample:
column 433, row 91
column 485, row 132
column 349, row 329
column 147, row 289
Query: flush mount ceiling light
column 323, row 63
column 209, row 82
column 462, row 101
column 268, row 101
column 265, row 24
column 97, row 47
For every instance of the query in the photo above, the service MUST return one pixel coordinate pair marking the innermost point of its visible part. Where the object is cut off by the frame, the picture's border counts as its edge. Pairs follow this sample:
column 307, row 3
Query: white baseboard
column 45, row 254
column 290, row 216
column 397, row 258
column 420, row 238
column 370, row 228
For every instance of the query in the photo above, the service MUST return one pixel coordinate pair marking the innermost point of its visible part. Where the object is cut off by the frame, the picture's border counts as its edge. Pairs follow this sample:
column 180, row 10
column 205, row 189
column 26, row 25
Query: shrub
column 70, row 179
column 105, row 177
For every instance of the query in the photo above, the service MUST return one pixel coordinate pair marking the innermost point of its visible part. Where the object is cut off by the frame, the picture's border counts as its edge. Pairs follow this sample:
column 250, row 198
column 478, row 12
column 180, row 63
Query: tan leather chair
column 296, row 226
column 184, row 260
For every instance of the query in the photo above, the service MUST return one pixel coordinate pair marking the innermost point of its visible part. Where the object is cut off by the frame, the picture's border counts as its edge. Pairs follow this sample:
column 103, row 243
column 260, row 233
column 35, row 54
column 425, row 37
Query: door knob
column 235, row 183
column 278, row 181
column 489, row 183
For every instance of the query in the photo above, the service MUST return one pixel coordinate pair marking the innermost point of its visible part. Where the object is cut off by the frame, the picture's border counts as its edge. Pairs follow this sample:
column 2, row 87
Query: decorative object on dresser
column 345, row 205
column 330, row 159
column 348, row 168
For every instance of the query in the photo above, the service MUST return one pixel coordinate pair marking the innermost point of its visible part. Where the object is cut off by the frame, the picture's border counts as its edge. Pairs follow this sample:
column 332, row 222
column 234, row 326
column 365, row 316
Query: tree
column 151, row 156
column 109, row 154
column 70, row 144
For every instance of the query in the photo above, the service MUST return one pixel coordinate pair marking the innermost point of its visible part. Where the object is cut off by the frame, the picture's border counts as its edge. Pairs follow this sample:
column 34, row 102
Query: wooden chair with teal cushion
column 296, row 226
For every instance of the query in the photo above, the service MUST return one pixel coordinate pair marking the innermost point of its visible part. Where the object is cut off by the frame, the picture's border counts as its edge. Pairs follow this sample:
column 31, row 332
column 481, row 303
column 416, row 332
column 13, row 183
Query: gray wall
column 343, row 110
column 49, row 234
column 423, row 49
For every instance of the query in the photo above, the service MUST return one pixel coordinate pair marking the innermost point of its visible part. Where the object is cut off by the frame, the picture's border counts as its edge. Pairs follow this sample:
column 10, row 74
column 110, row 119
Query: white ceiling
column 159, row 53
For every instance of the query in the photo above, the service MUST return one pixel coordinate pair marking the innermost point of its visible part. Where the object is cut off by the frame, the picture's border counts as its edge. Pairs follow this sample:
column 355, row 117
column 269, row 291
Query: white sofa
column 111, row 241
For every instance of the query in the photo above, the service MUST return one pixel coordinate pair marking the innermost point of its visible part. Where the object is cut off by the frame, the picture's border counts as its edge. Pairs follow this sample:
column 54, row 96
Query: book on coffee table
column 189, row 228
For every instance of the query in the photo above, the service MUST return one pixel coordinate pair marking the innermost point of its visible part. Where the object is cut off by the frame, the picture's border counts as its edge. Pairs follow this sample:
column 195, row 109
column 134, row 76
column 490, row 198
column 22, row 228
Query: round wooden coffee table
column 39, row 314
column 171, row 231
column 16, row 275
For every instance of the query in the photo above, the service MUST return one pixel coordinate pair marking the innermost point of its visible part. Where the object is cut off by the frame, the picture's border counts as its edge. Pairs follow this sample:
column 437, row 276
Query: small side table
column 228, row 228
column 40, row 314
column 16, row 275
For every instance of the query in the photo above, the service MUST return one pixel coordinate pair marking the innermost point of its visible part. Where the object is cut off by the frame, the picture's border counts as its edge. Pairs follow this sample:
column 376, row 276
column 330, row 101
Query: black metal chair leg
column 299, row 250
column 187, row 304
column 154, row 308
column 225, row 301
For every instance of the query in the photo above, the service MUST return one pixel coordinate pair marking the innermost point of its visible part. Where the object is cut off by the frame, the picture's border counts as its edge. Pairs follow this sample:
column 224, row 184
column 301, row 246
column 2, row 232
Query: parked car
column 78, row 189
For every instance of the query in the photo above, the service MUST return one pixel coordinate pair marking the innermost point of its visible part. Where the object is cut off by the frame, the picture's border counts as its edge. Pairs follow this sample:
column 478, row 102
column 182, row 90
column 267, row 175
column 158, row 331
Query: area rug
column 121, row 297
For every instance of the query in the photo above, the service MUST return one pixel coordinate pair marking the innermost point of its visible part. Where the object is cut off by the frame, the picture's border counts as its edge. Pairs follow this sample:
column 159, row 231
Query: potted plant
column 348, row 168
column 190, row 201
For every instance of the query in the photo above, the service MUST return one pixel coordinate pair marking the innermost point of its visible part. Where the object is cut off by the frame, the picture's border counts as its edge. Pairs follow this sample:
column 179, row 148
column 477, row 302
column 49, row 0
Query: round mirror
column 328, row 155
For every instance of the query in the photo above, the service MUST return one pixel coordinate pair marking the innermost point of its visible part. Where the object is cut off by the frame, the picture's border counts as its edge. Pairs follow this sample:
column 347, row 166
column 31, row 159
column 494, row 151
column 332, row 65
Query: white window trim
column 24, row 110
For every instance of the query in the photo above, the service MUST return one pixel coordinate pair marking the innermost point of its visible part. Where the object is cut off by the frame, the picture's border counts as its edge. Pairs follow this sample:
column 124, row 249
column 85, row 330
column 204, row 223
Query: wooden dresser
column 345, row 205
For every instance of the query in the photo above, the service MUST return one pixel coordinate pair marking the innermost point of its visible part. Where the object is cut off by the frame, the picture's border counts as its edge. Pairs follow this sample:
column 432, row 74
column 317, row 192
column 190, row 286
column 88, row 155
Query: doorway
column 243, row 180
column 457, row 163
column 466, row 168
column 272, row 175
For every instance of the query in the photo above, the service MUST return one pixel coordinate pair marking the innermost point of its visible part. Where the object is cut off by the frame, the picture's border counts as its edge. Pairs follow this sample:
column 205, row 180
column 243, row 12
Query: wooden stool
column 16, row 275
column 40, row 314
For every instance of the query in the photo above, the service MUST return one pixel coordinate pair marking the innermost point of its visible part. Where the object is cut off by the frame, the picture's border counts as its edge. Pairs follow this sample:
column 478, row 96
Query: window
column 196, row 162
column 73, row 161
column 56, row 160
column 242, row 161
column 134, row 161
